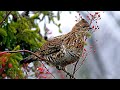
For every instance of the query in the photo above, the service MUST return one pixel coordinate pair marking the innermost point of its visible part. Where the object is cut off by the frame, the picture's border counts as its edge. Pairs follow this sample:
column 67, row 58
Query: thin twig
column 24, row 51
column 88, row 53
column 68, row 74
column 75, row 67
column 30, row 53
column 80, row 65
column 5, row 18
column 91, row 19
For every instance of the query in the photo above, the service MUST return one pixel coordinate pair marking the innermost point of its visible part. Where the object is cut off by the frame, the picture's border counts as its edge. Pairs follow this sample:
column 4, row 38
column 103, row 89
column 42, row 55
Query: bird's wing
column 51, row 46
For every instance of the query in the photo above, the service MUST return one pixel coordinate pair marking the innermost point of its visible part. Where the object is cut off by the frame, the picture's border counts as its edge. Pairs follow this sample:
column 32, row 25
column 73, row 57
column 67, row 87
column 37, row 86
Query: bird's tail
column 29, row 59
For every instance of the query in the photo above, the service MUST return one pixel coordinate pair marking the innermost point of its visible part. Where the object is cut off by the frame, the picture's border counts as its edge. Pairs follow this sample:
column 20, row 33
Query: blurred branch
column 71, row 76
column 75, row 67
column 5, row 18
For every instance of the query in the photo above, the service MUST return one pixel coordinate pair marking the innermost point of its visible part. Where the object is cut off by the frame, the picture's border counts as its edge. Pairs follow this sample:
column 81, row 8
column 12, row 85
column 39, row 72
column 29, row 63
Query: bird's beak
column 90, row 28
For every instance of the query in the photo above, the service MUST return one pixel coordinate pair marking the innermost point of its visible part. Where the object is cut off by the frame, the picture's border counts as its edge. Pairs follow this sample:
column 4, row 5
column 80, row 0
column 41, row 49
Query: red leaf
column 41, row 69
column 91, row 46
column 96, row 12
column 43, row 76
column 3, row 59
column 1, row 53
column 3, row 65
column 84, row 49
column 4, row 75
column 10, row 65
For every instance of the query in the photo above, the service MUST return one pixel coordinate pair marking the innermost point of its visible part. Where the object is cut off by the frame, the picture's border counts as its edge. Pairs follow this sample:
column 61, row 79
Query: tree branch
column 75, row 67
column 71, row 76
column 25, row 51
column 5, row 18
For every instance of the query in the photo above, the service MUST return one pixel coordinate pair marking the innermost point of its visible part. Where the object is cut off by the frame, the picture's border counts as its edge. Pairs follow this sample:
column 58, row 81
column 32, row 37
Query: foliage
column 16, row 32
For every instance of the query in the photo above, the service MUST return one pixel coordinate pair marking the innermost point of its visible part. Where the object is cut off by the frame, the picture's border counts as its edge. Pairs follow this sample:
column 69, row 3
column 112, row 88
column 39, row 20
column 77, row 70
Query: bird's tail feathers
column 28, row 59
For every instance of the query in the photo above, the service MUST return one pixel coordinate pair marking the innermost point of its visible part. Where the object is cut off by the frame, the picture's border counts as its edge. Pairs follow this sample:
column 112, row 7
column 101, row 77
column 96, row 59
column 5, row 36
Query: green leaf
column 3, row 32
column 18, row 58
column 1, row 18
column 36, row 16
column 7, row 42
column 45, row 12
column 13, row 29
column 13, row 62
column 4, row 40
column 59, row 25
column 16, row 48
column 88, row 34
column 60, row 31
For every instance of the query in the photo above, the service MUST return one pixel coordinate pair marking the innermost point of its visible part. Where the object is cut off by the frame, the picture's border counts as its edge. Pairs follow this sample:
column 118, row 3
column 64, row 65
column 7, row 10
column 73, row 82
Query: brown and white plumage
column 64, row 49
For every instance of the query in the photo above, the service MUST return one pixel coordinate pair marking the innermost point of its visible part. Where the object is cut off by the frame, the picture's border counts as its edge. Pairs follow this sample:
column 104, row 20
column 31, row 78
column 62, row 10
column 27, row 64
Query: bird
column 63, row 50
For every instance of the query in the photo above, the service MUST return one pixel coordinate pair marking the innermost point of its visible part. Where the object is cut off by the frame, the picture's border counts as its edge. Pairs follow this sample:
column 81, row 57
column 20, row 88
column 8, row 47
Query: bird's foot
column 68, row 74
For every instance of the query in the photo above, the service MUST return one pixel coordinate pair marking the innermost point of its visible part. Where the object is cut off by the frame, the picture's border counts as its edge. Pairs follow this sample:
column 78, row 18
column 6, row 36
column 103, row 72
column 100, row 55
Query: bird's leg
column 62, row 68
column 75, row 67
column 71, row 76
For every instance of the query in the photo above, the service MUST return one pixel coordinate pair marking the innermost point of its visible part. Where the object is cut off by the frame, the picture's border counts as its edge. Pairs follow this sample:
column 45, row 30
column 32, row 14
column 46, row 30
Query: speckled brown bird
column 64, row 49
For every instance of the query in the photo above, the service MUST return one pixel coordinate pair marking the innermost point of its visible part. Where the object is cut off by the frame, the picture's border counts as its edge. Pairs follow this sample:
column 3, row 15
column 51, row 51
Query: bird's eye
column 83, row 27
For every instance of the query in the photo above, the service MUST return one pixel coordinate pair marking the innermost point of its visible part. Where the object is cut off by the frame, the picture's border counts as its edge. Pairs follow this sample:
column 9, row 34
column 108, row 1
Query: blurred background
column 105, row 63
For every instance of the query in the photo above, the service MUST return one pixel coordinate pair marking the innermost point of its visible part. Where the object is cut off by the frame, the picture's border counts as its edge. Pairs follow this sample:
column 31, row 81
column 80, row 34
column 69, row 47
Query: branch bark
column 5, row 18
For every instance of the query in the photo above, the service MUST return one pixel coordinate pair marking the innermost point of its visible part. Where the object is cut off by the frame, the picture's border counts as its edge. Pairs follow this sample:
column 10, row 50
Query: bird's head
column 83, row 25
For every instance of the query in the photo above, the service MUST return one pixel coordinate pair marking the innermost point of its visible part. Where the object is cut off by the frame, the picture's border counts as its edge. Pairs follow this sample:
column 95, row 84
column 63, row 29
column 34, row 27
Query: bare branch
column 71, row 76
column 5, row 18
column 80, row 65
column 25, row 51
column 88, row 53
column 75, row 67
